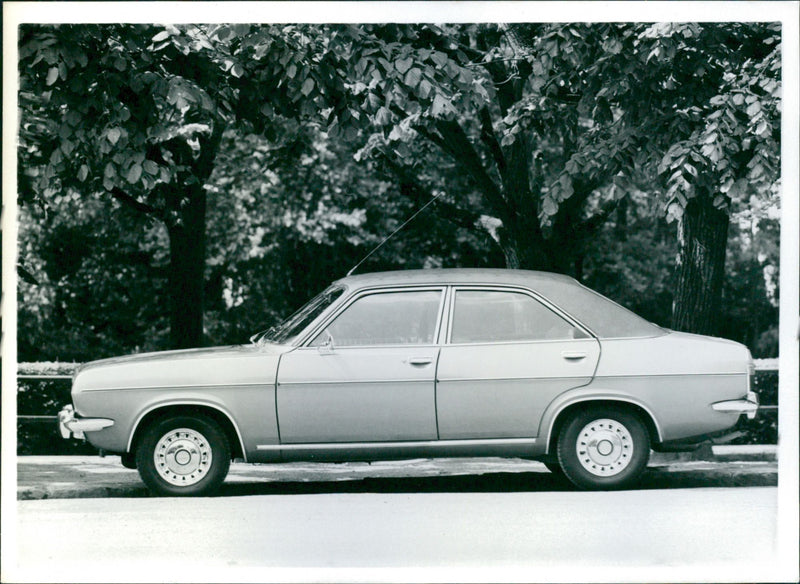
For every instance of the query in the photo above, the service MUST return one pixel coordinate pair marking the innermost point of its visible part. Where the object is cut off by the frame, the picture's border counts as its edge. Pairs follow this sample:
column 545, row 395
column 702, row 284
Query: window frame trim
column 517, row 290
column 318, row 328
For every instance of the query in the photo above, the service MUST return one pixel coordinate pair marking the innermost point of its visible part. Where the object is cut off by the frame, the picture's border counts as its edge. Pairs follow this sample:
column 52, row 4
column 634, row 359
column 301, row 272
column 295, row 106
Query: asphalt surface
column 64, row 477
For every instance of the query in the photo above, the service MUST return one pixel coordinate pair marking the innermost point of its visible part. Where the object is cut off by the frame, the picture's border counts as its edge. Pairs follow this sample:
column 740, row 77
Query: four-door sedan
column 431, row 363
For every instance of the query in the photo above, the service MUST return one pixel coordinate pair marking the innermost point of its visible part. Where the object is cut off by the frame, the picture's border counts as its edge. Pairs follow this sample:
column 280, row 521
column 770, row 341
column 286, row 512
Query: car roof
column 489, row 276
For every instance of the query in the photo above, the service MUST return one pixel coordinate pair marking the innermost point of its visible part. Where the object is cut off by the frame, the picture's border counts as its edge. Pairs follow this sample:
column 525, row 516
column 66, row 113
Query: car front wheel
column 183, row 456
column 602, row 448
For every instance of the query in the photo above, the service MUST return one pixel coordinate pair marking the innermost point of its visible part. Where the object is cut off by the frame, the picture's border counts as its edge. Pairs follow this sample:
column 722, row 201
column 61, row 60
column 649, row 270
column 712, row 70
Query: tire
column 603, row 448
column 183, row 456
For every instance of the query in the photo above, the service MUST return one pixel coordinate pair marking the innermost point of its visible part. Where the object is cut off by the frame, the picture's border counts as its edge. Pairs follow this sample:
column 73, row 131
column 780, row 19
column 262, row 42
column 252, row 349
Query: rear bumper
column 72, row 427
column 747, row 406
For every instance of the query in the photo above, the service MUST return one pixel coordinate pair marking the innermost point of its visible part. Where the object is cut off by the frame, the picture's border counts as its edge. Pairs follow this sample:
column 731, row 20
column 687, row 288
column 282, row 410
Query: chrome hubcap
column 604, row 447
column 182, row 457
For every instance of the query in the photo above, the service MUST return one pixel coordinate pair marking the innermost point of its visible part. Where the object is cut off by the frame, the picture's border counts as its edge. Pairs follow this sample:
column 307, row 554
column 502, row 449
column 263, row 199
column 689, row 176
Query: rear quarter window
column 604, row 317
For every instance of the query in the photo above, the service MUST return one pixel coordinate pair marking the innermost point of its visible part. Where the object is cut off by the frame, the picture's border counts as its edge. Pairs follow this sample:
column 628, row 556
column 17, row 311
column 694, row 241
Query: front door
column 508, row 356
column 368, row 376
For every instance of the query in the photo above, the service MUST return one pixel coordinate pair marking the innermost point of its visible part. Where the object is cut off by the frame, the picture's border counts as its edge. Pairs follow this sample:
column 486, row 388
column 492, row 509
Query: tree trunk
column 703, row 237
column 186, row 272
column 524, row 246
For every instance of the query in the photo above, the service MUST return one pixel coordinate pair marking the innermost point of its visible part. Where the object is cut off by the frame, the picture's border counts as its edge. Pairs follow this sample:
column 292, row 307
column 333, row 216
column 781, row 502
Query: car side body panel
column 238, row 382
column 501, row 390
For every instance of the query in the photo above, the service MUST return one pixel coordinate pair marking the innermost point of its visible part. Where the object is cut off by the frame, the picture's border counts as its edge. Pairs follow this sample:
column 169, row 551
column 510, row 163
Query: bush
column 44, row 397
column 764, row 428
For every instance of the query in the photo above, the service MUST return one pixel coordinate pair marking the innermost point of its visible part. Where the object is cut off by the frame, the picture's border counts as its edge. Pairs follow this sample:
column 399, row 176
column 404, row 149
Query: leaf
column 753, row 108
column 114, row 135
column 439, row 58
column 134, row 174
column 83, row 172
column 413, row 77
column 425, row 88
column 150, row 167
column 439, row 105
column 237, row 70
column 403, row 65
column 308, row 87
column 383, row 117
column 52, row 75
column 162, row 36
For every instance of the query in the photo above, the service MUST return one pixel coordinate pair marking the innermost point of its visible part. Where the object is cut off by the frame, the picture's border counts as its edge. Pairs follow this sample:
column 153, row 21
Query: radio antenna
column 388, row 237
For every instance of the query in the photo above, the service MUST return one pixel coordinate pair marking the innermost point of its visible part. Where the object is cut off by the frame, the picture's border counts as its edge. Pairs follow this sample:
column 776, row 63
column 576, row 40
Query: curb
column 93, row 477
column 719, row 453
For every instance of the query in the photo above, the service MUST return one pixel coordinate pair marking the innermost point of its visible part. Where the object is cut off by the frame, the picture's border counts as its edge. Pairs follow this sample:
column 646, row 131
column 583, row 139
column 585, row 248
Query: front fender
column 250, row 408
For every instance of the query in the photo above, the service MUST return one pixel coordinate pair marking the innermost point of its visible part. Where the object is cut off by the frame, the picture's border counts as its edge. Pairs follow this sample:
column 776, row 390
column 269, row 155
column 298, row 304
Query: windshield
column 286, row 331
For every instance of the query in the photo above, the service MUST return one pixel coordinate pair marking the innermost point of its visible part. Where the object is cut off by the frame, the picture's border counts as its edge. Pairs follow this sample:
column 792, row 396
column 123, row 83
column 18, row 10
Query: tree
column 530, row 134
column 725, row 147
column 554, row 124
column 131, row 112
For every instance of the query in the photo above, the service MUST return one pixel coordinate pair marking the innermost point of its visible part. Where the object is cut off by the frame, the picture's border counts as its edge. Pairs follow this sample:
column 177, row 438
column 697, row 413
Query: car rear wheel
column 183, row 456
column 602, row 448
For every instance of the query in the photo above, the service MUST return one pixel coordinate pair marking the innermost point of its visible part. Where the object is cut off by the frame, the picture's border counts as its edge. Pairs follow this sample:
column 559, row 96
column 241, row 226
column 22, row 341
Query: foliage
column 44, row 397
column 307, row 204
column 552, row 146
column 101, row 282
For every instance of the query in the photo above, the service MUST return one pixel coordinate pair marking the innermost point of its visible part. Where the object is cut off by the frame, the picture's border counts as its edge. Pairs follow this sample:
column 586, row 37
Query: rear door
column 508, row 355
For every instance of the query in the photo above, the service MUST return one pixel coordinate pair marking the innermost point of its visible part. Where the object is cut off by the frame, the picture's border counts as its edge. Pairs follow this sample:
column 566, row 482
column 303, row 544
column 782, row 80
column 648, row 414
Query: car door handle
column 420, row 360
column 573, row 355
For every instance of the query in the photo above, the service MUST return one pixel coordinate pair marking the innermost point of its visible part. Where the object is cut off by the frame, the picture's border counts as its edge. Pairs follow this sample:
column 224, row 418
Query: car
column 421, row 363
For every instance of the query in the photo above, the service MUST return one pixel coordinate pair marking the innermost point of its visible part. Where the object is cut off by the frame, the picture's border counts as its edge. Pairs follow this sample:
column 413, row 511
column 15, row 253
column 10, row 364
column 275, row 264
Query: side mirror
column 326, row 348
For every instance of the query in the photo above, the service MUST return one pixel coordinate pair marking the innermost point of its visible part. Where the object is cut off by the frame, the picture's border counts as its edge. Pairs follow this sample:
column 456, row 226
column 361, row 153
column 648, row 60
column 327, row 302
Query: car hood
column 215, row 366
column 186, row 354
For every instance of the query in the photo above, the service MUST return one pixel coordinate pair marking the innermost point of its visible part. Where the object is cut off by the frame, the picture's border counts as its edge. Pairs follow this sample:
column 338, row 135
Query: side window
column 386, row 318
column 486, row 316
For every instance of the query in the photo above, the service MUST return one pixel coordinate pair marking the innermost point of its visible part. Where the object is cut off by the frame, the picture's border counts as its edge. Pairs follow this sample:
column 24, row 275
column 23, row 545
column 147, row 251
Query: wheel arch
column 215, row 413
column 565, row 411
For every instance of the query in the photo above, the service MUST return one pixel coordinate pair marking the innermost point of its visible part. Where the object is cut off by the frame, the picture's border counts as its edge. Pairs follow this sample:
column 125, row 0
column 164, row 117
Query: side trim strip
column 347, row 445
column 203, row 386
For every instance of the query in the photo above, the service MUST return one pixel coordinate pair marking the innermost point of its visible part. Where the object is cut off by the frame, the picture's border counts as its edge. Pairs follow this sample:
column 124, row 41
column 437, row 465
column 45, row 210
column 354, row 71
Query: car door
column 508, row 355
column 368, row 375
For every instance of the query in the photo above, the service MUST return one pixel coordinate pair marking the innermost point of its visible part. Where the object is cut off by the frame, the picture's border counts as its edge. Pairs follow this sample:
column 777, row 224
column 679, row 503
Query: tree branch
column 135, row 203
column 419, row 192
column 452, row 140
column 490, row 139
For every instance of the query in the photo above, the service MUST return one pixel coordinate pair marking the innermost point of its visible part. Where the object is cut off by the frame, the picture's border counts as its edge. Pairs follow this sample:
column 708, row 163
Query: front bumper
column 72, row 427
column 747, row 406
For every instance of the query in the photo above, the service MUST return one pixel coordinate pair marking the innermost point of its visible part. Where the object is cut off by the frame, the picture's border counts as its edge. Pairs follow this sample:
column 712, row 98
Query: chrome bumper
column 72, row 427
column 747, row 406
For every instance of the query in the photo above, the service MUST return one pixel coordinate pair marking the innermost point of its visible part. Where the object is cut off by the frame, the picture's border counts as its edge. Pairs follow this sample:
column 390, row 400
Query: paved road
column 483, row 535
column 51, row 477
